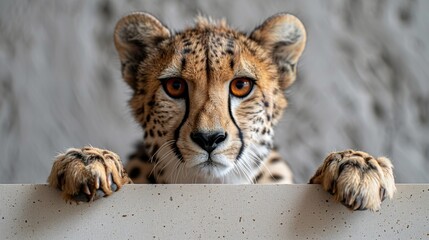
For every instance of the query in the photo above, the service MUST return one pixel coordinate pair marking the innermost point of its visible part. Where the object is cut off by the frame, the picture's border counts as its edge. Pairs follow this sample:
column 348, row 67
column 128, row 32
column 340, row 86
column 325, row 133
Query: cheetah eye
column 241, row 87
column 175, row 87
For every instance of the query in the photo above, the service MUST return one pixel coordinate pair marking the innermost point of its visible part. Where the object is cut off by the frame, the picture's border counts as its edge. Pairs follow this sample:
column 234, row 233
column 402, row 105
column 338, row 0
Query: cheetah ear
column 284, row 36
column 136, row 35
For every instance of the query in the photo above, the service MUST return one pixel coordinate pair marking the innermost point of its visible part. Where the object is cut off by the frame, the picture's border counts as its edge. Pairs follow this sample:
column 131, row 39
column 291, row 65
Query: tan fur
column 207, row 58
column 356, row 179
column 71, row 175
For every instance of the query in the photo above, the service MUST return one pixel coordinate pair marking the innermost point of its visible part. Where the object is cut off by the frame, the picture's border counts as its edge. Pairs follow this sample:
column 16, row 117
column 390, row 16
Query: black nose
column 208, row 140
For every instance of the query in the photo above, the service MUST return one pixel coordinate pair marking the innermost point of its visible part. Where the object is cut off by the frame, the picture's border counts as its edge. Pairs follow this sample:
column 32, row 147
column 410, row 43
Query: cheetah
column 207, row 99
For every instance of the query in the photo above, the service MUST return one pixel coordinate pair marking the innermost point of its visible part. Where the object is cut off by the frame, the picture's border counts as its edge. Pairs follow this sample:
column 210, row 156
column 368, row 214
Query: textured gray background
column 363, row 83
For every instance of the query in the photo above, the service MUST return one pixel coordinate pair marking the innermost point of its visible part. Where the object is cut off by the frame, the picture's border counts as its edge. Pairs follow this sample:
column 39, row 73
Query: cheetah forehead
column 211, row 50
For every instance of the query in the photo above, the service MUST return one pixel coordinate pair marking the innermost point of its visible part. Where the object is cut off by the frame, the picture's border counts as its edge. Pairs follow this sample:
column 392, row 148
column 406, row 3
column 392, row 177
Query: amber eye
column 241, row 87
column 175, row 87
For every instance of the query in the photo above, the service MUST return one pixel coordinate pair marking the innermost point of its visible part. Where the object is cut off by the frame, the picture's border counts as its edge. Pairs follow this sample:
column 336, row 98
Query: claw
column 97, row 182
column 382, row 193
column 114, row 187
column 81, row 197
column 359, row 205
column 109, row 179
column 85, row 189
column 99, row 193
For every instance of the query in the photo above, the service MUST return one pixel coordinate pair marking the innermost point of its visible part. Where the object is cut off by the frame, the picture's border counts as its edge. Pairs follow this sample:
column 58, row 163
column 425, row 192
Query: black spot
column 187, row 43
column 186, row 51
column 230, row 51
column 155, row 148
column 275, row 159
column 158, row 40
column 148, row 118
column 151, row 179
column 231, row 64
column 258, row 177
column 134, row 173
column 183, row 63
column 75, row 154
column 151, row 133
column 267, row 104
column 284, row 69
column 151, row 103
column 159, row 133
column 139, row 111
column 265, row 143
column 276, row 177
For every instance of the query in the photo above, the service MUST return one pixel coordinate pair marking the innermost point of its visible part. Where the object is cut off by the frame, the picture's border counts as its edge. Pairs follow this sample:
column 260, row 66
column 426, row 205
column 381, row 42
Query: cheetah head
column 209, row 96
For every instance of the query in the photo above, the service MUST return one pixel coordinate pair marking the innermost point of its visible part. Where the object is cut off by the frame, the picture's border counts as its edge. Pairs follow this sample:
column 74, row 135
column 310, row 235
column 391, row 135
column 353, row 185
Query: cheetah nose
column 208, row 140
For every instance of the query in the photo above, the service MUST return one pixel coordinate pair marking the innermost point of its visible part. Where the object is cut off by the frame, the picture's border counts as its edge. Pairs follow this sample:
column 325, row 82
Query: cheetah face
column 208, row 97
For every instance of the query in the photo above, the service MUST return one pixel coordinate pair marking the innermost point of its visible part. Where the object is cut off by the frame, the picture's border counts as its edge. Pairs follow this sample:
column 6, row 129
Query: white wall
column 363, row 80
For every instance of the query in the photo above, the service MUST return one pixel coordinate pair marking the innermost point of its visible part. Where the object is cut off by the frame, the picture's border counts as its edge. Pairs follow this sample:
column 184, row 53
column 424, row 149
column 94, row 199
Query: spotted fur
column 208, row 134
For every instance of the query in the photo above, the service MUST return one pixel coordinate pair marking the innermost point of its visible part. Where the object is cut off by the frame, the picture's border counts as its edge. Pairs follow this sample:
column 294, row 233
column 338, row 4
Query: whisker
column 166, row 144
column 242, row 170
column 171, row 176
column 262, row 162
column 161, row 159
column 179, row 168
column 249, row 171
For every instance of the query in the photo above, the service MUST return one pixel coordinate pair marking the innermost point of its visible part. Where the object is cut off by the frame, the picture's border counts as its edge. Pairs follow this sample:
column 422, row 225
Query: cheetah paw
column 87, row 174
column 356, row 179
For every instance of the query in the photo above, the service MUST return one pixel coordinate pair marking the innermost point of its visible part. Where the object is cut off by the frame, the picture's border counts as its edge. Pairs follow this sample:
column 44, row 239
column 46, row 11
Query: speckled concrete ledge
column 209, row 212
